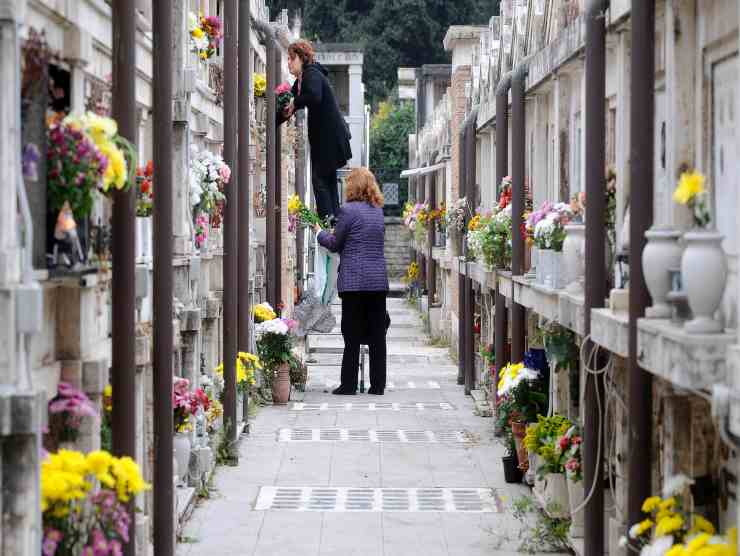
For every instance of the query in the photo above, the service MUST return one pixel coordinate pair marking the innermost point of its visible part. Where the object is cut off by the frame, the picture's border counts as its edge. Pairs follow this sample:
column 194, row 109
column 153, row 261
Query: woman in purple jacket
column 359, row 238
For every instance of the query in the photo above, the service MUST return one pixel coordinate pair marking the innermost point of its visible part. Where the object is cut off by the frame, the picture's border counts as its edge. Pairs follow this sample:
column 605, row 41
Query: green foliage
column 389, row 143
column 546, row 534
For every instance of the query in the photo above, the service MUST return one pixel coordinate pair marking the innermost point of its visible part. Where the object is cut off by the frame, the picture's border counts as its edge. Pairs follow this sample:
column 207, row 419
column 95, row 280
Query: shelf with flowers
column 84, row 502
column 670, row 528
column 208, row 177
column 275, row 336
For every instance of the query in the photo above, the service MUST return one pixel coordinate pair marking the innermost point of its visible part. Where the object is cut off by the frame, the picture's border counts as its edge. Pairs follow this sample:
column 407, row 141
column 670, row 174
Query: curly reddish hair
column 362, row 186
column 304, row 50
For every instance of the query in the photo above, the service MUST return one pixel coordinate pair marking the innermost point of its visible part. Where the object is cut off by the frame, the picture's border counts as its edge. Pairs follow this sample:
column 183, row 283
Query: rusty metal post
column 431, row 268
column 518, row 149
column 501, row 324
column 278, row 196
column 123, row 379
column 164, row 505
column 270, row 240
column 300, row 189
column 231, row 219
column 470, row 159
column 595, row 294
column 462, row 280
column 244, row 55
column 641, row 172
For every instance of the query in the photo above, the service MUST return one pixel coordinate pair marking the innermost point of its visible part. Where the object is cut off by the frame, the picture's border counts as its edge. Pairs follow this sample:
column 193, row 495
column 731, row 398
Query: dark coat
column 328, row 133
column 359, row 238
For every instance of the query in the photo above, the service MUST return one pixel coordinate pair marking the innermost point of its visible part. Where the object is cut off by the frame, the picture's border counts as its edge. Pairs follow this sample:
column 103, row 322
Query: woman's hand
column 317, row 228
column 289, row 110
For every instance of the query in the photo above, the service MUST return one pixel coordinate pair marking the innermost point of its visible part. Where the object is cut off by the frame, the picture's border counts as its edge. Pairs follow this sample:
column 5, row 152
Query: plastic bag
column 326, row 266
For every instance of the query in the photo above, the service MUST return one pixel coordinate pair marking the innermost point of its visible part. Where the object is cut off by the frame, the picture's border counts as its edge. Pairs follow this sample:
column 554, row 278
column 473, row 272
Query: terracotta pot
column 519, row 430
column 281, row 385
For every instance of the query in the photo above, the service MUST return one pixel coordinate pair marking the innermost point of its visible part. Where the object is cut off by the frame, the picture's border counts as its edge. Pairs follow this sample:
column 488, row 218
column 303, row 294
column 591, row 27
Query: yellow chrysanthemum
column 115, row 173
column 689, row 186
column 668, row 525
column 100, row 128
column 701, row 525
column 677, row 550
column 197, row 33
column 294, row 204
column 203, row 55
column 260, row 84
column 667, row 504
column 108, row 390
column 651, row 504
column 99, row 463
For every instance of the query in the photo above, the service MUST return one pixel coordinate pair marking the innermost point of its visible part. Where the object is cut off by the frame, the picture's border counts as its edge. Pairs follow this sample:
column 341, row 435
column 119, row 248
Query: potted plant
column 703, row 264
column 274, row 344
column 66, row 411
column 539, row 440
column 298, row 373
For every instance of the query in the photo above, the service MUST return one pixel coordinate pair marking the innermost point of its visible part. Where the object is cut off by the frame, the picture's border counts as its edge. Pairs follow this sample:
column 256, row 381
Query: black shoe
column 376, row 391
column 343, row 391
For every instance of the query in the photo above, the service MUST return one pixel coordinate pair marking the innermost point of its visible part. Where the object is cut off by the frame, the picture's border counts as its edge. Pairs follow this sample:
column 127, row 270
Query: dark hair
column 304, row 50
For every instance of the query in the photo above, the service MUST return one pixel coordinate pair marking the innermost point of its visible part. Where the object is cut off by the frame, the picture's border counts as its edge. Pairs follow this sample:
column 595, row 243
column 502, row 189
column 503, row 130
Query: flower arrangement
column 549, row 230
column 544, row 439
column 692, row 192
column 263, row 312
column 415, row 216
column 205, row 34
column 283, row 96
column 496, row 245
column 106, row 423
column 186, row 403
column 521, row 395
column 145, row 190
column 66, row 411
column 570, row 444
column 671, row 530
column 259, row 82
column 201, row 230
column 246, row 365
column 214, row 412
column 456, row 213
column 412, row 274
column 298, row 213
column 83, row 502
column 274, row 343
column 438, row 216
column 209, row 174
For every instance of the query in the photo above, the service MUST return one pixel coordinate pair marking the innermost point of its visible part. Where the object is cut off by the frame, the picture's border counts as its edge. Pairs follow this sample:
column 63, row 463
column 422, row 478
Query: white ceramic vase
column 181, row 446
column 239, row 407
column 576, row 496
column 704, row 276
column 544, row 260
column 556, row 495
column 661, row 253
column 574, row 257
column 556, row 275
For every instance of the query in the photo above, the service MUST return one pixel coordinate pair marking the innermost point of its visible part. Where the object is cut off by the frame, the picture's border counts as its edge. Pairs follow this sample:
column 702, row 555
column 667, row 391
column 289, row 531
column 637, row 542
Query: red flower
column 282, row 89
column 146, row 186
column 149, row 169
column 564, row 442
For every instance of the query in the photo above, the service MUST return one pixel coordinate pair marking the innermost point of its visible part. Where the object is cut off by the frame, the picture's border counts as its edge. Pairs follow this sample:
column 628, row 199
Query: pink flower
column 577, row 440
column 282, row 89
column 572, row 465
column 225, row 173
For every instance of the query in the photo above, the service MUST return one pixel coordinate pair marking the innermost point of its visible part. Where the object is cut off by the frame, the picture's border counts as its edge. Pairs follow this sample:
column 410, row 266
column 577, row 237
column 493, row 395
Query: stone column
column 356, row 112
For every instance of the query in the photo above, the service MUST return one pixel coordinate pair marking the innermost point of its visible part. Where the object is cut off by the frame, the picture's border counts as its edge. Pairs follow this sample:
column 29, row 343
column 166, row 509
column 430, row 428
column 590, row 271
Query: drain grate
column 370, row 435
column 390, row 385
column 352, row 499
column 382, row 406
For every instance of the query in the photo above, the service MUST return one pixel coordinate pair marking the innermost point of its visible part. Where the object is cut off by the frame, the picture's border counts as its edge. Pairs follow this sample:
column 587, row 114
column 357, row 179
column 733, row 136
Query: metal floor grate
column 381, row 406
column 390, row 385
column 349, row 499
column 370, row 435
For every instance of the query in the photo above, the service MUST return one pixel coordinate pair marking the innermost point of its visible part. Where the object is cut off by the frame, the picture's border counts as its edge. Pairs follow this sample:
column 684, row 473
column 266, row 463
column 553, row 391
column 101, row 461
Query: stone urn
column 181, row 446
column 556, row 495
column 574, row 257
column 661, row 253
column 576, row 496
column 281, row 385
column 704, row 275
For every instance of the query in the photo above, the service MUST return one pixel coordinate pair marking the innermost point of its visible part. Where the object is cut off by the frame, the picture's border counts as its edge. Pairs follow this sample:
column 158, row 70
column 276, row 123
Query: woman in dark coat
column 359, row 238
column 328, row 134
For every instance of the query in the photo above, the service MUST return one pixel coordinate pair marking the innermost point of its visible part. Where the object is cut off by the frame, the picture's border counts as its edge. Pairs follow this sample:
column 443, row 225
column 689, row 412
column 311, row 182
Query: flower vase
column 661, row 253
column 556, row 495
column 181, row 445
column 519, row 430
column 539, row 481
column 144, row 237
column 281, row 385
column 531, row 476
column 543, row 265
column 239, row 408
column 576, row 496
column 556, row 270
column 574, row 257
column 704, row 274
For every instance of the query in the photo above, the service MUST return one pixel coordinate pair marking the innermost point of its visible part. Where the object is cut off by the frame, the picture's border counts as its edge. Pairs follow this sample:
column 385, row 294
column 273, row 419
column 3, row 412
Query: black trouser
column 364, row 321
column 326, row 193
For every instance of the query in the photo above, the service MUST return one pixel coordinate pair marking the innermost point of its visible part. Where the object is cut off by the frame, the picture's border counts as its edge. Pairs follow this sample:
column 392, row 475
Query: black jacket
column 328, row 133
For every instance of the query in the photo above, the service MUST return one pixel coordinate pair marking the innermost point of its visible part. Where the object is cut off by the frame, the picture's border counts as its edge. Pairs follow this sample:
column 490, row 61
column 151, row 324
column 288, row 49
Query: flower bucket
column 704, row 274
column 281, row 385
column 556, row 495
column 512, row 473
column 181, row 447
column 576, row 495
column 519, row 430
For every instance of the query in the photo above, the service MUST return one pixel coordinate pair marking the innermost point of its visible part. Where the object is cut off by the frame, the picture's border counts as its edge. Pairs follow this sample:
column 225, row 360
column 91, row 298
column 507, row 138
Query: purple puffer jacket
column 359, row 238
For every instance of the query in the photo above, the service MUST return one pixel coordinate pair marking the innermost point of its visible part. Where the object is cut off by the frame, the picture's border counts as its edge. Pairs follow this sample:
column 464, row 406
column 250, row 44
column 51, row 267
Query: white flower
column 676, row 485
column 658, row 547
column 633, row 532
column 274, row 326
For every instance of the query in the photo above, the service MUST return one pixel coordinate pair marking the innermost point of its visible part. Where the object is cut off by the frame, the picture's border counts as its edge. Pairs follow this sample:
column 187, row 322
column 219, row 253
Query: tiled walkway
column 413, row 472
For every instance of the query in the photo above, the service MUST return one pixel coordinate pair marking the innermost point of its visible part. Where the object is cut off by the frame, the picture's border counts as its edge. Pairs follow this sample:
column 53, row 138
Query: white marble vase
column 556, row 495
column 576, row 496
column 574, row 257
column 661, row 253
column 182, row 447
column 704, row 275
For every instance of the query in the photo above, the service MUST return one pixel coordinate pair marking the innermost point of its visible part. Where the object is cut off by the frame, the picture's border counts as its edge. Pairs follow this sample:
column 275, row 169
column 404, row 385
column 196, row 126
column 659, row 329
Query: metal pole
column 123, row 378
column 461, row 324
column 518, row 138
column 641, row 172
column 431, row 271
column 596, row 267
column 164, row 505
column 231, row 219
column 271, row 262
column 243, row 166
column 469, row 291
column 501, row 324
column 300, row 186
column 278, row 195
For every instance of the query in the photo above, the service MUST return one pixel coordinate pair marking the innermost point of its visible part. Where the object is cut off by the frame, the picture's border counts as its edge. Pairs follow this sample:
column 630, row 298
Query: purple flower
column 52, row 537
column 31, row 156
column 115, row 548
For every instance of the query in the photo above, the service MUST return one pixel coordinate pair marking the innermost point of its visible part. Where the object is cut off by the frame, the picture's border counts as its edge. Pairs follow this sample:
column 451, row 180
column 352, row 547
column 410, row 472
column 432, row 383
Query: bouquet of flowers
column 205, row 34
column 412, row 274
column 298, row 213
column 456, row 213
column 274, row 342
column 83, row 502
column 544, row 439
column 549, row 232
column 246, row 365
column 201, row 230
column 570, row 444
column 144, row 190
column 496, row 240
column 438, row 216
column 66, row 411
column 504, row 199
column 283, row 96
column 263, row 312
column 691, row 191
column 186, row 403
column 259, row 82
column 208, row 176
